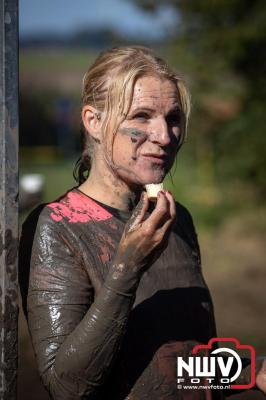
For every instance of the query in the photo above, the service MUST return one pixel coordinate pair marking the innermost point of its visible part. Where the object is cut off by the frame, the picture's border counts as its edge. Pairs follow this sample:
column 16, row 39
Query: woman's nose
column 160, row 133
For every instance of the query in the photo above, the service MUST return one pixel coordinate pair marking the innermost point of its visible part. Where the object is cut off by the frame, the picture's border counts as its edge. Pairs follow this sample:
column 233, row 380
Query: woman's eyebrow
column 138, row 109
column 175, row 108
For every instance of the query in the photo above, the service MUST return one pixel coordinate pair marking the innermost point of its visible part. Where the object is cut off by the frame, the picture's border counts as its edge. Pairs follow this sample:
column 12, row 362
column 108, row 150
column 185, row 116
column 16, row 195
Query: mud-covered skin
column 99, row 333
column 155, row 123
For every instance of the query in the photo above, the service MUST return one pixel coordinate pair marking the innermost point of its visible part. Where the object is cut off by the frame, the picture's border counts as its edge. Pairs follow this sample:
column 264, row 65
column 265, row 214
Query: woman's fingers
column 172, row 214
column 145, row 238
column 160, row 219
column 172, row 206
column 160, row 214
column 139, row 213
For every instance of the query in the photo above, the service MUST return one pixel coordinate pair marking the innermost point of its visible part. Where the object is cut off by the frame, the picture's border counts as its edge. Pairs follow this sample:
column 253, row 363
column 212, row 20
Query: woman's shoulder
column 183, row 215
column 184, row 226
column 73, row 208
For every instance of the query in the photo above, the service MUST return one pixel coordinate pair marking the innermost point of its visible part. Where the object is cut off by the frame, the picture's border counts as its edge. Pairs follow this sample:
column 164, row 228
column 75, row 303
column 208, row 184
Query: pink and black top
column 99, row 337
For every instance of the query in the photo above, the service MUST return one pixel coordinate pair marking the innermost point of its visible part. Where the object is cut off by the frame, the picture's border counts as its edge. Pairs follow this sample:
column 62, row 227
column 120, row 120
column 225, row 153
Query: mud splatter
column 137, row 137
column 133, row 133
column 104, row 254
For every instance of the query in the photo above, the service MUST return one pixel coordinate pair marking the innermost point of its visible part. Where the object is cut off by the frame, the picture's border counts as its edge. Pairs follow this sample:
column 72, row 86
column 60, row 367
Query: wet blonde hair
column 108, row 86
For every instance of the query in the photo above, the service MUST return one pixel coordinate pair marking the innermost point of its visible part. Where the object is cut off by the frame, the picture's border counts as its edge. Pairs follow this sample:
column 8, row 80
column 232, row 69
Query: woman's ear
column 92, row 121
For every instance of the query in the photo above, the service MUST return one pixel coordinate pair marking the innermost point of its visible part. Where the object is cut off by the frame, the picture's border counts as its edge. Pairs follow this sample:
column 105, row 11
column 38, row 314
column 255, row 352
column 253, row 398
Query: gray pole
column 8, row 196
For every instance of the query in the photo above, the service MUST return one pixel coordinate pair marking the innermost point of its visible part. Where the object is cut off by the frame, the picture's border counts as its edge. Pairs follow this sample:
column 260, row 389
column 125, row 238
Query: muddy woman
column 116, row 291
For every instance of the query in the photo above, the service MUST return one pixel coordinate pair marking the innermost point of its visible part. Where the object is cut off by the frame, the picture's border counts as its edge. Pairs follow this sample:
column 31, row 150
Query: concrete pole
column 8, row 196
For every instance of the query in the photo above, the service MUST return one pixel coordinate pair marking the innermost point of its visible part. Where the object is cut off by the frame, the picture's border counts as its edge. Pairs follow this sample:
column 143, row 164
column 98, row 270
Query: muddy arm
column 76, row 338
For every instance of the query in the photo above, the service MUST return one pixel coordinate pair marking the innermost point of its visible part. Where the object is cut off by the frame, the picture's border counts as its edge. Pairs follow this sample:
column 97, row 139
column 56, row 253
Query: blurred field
column 232, row 238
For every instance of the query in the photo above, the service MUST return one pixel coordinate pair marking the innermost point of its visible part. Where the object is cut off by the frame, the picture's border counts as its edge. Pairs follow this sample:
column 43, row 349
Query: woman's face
column 148, row 139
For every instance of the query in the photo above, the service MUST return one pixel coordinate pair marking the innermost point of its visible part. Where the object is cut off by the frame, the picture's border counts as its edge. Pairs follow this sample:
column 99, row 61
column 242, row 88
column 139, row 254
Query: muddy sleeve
column 76, row 337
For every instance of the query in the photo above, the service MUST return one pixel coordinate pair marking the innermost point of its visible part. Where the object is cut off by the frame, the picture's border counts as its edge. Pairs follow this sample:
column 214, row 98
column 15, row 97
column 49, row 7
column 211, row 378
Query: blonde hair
column 108, row 86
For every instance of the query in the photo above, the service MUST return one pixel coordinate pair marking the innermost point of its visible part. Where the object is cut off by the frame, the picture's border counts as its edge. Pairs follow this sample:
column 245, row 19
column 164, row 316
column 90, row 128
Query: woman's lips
column 158, row 158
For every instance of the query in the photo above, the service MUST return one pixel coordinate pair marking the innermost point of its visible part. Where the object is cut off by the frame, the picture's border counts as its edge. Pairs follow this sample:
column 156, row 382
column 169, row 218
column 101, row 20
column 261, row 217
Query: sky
column 66, row 16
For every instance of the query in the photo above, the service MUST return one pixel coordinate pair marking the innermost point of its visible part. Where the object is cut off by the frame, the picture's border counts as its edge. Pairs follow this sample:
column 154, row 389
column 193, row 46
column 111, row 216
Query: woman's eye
column 141, row 116
column 173, row 120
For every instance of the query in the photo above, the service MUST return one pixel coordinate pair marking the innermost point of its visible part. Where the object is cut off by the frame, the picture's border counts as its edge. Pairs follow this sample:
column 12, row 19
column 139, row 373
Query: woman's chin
column 141, row 178
column 153, row 178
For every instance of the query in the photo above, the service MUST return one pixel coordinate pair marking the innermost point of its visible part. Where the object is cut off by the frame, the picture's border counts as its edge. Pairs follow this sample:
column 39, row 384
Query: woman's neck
column 103, row 185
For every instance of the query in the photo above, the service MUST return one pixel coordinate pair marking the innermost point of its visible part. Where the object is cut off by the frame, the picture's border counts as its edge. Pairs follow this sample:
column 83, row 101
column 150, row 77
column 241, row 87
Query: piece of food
column 153, row 189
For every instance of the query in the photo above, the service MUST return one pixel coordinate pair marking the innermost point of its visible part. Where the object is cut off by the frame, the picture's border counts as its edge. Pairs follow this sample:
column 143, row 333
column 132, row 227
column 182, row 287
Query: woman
column 116, row 289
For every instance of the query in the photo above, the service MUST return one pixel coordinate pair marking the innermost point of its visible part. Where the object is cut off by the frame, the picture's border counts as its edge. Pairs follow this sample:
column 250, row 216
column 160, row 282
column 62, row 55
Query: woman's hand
column 144, row 238
column 261, row 377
